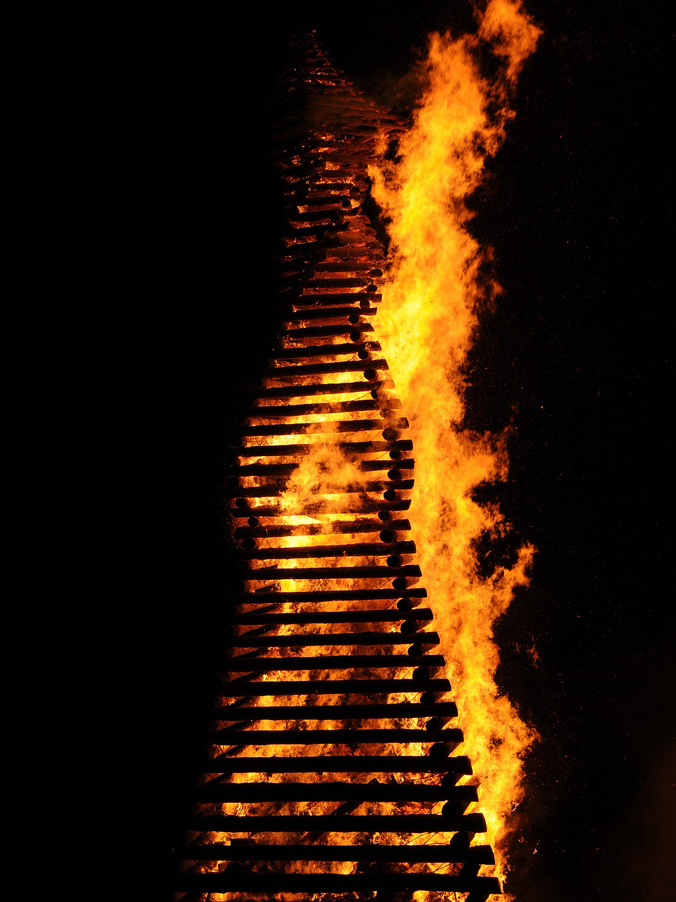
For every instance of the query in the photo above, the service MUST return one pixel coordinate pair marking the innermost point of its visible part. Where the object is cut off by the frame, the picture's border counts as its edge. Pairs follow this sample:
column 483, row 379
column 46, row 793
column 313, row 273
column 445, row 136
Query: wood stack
column 330, row 772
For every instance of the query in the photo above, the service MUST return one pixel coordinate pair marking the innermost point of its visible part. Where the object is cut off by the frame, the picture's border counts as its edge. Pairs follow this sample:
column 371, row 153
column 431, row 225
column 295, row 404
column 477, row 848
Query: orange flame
column 426, row 325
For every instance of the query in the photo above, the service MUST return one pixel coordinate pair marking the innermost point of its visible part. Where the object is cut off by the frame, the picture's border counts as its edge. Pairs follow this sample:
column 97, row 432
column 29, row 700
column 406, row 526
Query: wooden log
column 238, row 688
column 358, row 330
column 366, row 266
column 325, row 351
column 323, row 388
column 303, row 640
column 242, row 664
column 361, row 616
column 354, row 549
column 358, row 282
column 277, row 487
column 335, row 823
column 333, row 792
column 346, row 448
column 332, row 595
column 329, row 712
column 349, row 505
column 314, row 529
column 458, row 765
column 420, row 854
column 312, row 369
column 333, row 573
column 326, row 312
column 271, row 470
column 274, row 411
column 332, row 737
column 328, row 426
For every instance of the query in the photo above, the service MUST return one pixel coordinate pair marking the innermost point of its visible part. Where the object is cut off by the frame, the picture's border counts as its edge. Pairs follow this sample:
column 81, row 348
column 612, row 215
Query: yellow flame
column 426, row 326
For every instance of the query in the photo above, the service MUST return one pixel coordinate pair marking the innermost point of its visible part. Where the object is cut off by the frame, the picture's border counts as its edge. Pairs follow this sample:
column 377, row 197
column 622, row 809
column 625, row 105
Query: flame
column 426, row 325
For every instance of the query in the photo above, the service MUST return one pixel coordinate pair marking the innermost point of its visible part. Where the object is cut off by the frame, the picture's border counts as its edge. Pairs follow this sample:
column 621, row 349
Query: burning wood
column 376, row 808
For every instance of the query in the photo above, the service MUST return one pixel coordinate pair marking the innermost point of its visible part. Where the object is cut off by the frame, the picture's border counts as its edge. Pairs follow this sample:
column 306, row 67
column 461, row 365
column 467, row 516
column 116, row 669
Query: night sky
column 161, row 266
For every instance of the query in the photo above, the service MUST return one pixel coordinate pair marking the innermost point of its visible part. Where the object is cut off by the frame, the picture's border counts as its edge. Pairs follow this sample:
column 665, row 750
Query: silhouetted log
column 331, row 737
column 273, row 470
column 303, row 640
column 326, row 312
column 331, row 712
column 349, row 505
column 326, row 351
column 333, row 573
column 316, row 529
column 327, row 427
column 243, row 689
column 319, row 298
column 300, row 410
column 412, row 592
column 332, row 792
column 355, row 331
column 423, row 614
column 321, row 388
column 279, row 486
column 431, row 852
column 354, row 549
column 346, row 448
column 243, row 664
column 335, row 823
column 348, row 366
column 341, row 764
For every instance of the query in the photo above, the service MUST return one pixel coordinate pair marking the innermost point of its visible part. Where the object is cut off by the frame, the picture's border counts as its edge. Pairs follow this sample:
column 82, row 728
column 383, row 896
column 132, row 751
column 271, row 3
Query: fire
column 426, row 325
column 331, row 766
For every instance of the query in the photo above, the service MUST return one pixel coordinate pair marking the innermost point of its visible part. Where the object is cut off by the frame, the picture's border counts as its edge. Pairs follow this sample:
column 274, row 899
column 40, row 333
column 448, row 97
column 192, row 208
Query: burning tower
column 332, row 769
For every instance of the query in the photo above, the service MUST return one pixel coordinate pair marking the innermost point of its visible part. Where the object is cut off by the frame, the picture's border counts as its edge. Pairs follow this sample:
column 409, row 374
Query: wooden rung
column 331, row 595
column 334, row 792
column 349, row 505
column 341, row 764
column 329, row 712
column 337, row 282
column 362, row 616
column 244, row 664
column 312, row 369
column 315, row 529
column 305, row 332
column 311, row 299
column 333, row 350
column 323, row 388
column 271, row 411
column 412, row 854
column 347, row 448
column 354, row 549
column 273, row 489
column 332, row 737
column 246, row 640
column 279, row 688
column 325, row 312
column 328, row 426
column 338, row 823
column 333, row 573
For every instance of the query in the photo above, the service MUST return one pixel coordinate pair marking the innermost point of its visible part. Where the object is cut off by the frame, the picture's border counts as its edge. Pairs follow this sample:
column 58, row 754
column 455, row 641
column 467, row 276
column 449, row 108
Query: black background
column 156, row 212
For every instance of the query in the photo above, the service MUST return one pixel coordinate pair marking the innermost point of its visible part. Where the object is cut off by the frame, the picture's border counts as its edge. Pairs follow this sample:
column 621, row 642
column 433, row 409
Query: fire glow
column 330, row 771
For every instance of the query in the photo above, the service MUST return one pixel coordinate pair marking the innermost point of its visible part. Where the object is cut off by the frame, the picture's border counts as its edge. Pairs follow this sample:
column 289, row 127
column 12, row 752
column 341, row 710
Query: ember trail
column 337, row 766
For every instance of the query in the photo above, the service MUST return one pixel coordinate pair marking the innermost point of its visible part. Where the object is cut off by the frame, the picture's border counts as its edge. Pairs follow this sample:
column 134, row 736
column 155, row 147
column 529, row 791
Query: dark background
column 157, row 214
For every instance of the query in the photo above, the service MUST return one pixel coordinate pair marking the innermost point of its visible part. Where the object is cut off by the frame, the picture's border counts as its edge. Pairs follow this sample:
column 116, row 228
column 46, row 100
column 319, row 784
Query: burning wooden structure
column 332, row 771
